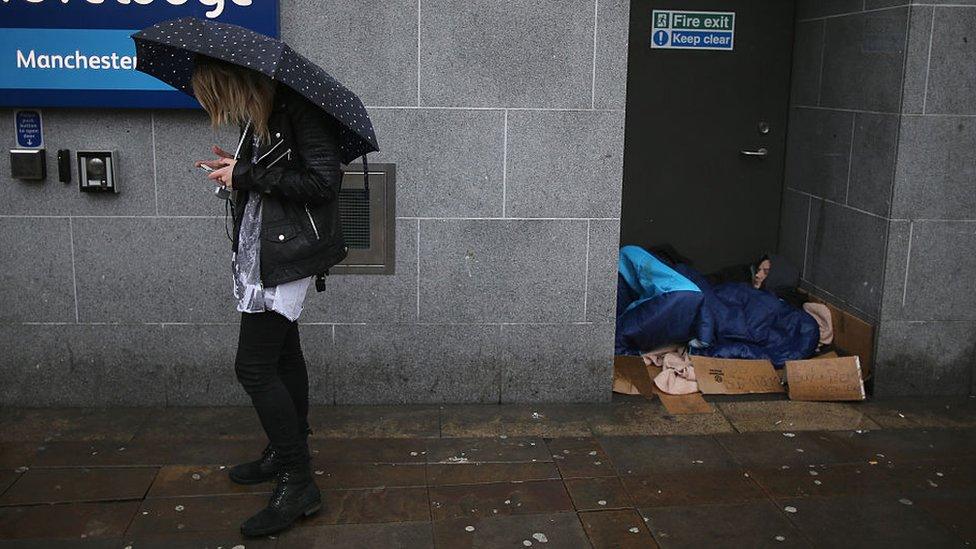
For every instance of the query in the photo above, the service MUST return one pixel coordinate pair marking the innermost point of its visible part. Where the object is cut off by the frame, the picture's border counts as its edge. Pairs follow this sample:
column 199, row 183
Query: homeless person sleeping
column 749, row 312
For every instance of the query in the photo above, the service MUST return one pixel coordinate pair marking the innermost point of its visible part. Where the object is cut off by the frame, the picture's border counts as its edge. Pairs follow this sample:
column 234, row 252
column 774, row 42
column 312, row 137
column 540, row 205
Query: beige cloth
column 821, row 313
column 677, row 375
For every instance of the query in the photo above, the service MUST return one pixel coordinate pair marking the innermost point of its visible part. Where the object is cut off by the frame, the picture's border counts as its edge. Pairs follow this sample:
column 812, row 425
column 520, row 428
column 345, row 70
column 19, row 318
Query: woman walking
column 285, row 179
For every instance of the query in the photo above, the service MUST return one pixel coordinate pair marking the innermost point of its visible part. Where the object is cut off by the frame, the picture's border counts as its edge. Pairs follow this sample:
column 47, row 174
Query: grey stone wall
column 505, row 120
column 879, row 203
column 843, row 134
column 927, row 340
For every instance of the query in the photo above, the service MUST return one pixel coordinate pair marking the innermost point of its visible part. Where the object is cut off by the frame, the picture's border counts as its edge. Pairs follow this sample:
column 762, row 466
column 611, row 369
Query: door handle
column 761, row 152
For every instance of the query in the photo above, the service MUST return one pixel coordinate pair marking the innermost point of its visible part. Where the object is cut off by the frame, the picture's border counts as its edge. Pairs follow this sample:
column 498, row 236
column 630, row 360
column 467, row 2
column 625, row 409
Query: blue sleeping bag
column 658, row 305
column 739, row 321
column 655, row 304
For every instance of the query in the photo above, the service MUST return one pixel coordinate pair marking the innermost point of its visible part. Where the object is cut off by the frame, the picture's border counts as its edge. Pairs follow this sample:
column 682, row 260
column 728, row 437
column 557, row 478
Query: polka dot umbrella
column 168, row 51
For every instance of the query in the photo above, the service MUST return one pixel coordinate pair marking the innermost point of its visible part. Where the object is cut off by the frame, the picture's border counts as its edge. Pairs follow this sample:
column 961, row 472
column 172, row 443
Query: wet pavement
column 751, row 473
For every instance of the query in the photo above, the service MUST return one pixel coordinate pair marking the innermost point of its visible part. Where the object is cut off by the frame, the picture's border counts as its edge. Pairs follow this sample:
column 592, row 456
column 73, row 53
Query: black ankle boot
column 261, row 470
column 295, row 495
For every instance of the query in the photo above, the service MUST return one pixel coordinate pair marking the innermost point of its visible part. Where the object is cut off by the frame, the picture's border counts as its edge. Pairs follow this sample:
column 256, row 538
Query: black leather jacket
column 299, row 174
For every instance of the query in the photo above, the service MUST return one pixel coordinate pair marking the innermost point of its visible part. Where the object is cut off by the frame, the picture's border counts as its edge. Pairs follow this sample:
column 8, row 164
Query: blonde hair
column 233, row 94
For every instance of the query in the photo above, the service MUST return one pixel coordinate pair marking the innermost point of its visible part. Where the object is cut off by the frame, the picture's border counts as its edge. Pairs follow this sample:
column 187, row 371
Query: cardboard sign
column 825, row 379
column 723, row 376
column 852, row 334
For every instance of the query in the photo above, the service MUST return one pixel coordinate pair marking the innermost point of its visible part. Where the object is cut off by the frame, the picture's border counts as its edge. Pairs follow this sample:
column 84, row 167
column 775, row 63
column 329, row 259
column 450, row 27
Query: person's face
column 761, row 273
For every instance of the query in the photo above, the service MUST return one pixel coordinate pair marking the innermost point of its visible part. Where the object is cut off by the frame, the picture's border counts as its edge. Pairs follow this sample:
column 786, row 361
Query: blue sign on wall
column 30, row 132
column 690, row 30
column 79, row 53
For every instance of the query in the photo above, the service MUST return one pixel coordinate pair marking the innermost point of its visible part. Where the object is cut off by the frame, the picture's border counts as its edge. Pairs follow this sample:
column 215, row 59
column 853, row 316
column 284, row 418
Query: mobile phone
column 205, row 168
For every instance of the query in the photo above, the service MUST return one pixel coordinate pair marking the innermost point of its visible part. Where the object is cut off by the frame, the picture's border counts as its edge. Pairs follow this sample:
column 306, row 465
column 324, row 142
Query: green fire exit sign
column 693, row 30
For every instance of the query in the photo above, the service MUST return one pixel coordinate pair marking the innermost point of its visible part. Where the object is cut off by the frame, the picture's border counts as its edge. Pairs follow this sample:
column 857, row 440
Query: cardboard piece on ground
column 724, row 376
column 678, row 405
column 631, row 377
column 852, row 334
column 825, row 379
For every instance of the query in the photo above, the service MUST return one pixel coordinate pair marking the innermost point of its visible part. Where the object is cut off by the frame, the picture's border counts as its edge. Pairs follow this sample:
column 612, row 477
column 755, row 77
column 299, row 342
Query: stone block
column 502, row 271
column 564, row 164
column 510, row 54
column 37, row 283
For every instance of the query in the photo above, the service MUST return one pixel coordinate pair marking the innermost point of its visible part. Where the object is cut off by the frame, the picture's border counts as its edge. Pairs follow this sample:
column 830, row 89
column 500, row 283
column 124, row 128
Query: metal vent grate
column 354, row 215
column 368, row 220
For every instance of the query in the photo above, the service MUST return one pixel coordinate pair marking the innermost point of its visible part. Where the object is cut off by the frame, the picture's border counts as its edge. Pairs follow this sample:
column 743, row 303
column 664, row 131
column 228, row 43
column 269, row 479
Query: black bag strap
column 320, row 281
column 366, row 175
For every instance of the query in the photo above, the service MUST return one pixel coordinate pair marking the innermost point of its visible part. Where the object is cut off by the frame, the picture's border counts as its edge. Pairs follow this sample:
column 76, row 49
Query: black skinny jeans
column 271, row 368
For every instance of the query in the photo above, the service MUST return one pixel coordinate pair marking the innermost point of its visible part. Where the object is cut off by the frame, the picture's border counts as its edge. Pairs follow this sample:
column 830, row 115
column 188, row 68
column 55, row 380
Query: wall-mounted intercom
column 28, row 164
column 97, row 171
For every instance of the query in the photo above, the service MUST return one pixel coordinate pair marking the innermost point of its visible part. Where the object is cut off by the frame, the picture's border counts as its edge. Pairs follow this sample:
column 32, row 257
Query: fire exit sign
column 693, row 30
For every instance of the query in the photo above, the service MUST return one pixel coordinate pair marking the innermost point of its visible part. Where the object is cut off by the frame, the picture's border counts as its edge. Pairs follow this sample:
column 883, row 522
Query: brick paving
column 623, row 474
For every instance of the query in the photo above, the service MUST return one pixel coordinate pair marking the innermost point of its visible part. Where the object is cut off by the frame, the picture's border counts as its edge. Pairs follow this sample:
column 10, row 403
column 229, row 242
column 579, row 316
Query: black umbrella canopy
column 168, row 51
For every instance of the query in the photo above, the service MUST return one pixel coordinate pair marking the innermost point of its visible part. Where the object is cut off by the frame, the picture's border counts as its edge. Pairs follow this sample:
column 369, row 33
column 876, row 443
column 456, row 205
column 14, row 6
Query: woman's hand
column 224, row 172
column 215, row 164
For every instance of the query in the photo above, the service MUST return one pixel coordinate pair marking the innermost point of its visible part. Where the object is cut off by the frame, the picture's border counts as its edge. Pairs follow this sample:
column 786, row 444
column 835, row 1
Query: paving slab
column 39, row 485
column 71, row 520
column 18, row 454
column 497, row 449
column 370, row 450
column 846, row 479
column 935, row 479
column 199, row 480
column 595, row 494
column 952, row 412
column 51, row 543
column 166, row 516
column 580, row 457
column 676, row 488
column 649, row 417
column 8, row 477
column 514, row 420
column 876, row 521
column 227, row 538
column 446, row 474
column 650, row 455
column 106, row 453
column 373, row 505
column 792, row 415
column 405, row 421
column 559, row 530
column 43, row 424
column 413, row 535
column 368, row 475
column 753, row 524
column 621, row 529
column 954, row 513
column 898, row 445
column 775, row 449
column 208, row 423
column 499, row 499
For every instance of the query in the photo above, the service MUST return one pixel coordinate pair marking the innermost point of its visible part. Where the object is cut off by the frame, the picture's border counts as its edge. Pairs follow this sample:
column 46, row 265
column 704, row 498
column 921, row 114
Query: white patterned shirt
column 252, row 297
